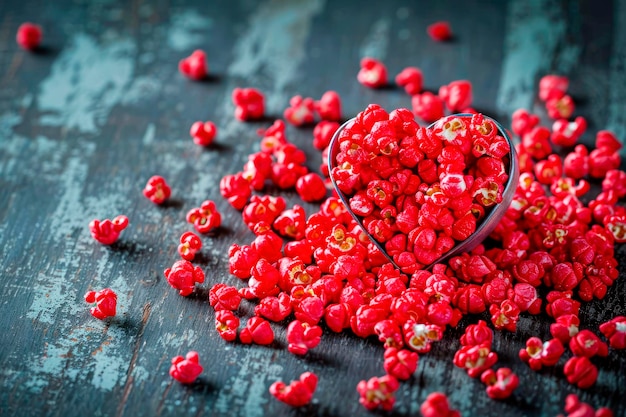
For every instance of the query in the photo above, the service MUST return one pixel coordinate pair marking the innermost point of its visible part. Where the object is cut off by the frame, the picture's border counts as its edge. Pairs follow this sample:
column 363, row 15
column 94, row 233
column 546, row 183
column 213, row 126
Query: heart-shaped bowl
column 492, row 214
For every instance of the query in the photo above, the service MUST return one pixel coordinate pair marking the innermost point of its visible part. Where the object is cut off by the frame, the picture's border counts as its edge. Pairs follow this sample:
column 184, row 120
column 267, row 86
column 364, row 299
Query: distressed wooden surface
column 84, row 123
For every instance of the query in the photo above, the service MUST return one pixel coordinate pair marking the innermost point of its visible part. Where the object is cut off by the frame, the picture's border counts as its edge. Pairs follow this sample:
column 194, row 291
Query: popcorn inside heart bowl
column 423, row 194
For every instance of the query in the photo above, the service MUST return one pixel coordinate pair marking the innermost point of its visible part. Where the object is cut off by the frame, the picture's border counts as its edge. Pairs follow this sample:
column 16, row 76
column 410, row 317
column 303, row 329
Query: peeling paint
column 188, row 30
column 536, row 33
column 86, row 81
column 376, row 43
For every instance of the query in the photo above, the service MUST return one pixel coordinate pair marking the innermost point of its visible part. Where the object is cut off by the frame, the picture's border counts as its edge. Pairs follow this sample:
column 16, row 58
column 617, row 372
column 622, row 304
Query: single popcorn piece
column 29, row 36
column 106, row 303
column 186, row 370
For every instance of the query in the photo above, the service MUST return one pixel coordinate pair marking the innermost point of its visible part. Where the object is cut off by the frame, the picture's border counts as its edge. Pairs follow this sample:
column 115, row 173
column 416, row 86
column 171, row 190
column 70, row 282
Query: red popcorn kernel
column 249, row 103
column 194, row 66
column 226, row 324
column 576, row 163
column 262, row 209
column 157, row 190
column 29, row 36
column 224, row 297
column 565, row 328
column 301, row 111
column 203, row 133
column 106, row 303
column 539, row 354
column 190, row 244
column 437, row 405
column 204, row 218
column 560, row 108
column 411, row 79
column 400, row 363
column 107, row 232
column 439, row 31
column 241, row 259
column 457, row 95
column 523, row 122
column 373, row 73
column 576, row 408
column 302, row 336
column 323, row 133
column 615, row 331
column 586, row 343
column 329, row 106
column 427, row 106
column 500, row 383
column 475, row 359
column 419, row 336
column 552, row 87
column 580, row 371
column 536, row 142
column 236, row 190
column 378, row 392
column 186, row 370
column 257, row 331
column 311, row 188
column 291, row 223
column 477, row 334
column 565, row 133
column 297, row 393
column 274, row 308
column 183, row 277
column 601, row 161
column 615, row 180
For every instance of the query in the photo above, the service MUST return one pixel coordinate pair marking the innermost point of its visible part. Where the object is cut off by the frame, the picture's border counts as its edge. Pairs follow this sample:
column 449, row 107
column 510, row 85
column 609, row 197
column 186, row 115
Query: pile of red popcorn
column 417, row 191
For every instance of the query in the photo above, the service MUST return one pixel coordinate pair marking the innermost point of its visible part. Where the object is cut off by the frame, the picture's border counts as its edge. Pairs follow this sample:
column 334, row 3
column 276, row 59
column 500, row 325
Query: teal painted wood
column 84, row 123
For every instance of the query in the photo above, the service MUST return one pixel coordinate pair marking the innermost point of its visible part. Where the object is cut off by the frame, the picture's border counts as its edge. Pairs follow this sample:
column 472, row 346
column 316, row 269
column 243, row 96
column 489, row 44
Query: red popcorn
column 323, row 133
column 576, row 408
column 301, row 111
column 378, row 392
column 194, row 66
column 373, row 73
column 576, row 163
column 615, row 331
column 29, row 36
column 580, row 371
column 311, row 188
column 411, row 79
column 157, row 190
column 329, row 106
column 523, row 122
column 500, row 383
column 291, row 223
column 586, row 343
column 419, row 336
column 565, row 328
column 475, row 359
column 552, row 87
column 262, row 209
column 274, row 308
column 539, row 354
column 190, row 244
column 224, row 297
column 439, row 31
column 249, row 103
column 297, row 393
column 400, row 363
column 226, row 324
column 302, row 336
column 106, row 303
column 257, row 331
column 427, row 106
column 203, row 133
column 566, row 133
column 107, row 232
column 204, row 218
column 437, row 405
column 560, row 108
column 477, row 334
column 186, row 370
column 616, row 225
column 241, row 259
column 457, row 95
column 183, row 277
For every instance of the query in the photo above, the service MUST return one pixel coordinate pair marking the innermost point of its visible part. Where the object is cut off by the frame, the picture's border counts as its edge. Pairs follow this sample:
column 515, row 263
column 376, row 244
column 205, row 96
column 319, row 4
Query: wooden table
column 87, row 120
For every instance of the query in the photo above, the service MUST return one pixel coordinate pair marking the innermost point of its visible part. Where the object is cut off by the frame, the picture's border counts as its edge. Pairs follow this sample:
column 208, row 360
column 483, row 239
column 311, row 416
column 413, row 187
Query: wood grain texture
column 87, row 120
